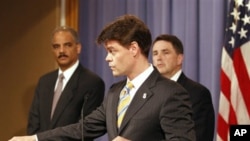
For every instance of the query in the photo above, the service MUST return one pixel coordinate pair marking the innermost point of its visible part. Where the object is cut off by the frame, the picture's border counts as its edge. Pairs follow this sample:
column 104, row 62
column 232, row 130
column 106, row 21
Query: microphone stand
column 82, row 112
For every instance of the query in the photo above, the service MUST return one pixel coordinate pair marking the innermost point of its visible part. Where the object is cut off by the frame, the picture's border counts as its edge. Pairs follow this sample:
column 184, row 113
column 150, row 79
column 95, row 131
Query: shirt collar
column 138, row 80
column 176, row 76
column 68, row 73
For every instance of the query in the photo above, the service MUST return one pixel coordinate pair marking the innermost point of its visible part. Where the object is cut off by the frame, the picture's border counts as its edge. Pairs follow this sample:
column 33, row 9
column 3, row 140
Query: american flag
column 234, row 106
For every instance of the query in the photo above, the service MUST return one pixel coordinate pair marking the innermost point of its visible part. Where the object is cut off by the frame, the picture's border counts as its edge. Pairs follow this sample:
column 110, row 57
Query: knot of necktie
column 61, row 77
column 129, row 85
column 127, row 88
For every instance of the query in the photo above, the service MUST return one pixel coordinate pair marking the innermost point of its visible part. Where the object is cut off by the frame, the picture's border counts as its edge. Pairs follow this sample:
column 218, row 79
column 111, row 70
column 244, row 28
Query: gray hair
column 67, row 29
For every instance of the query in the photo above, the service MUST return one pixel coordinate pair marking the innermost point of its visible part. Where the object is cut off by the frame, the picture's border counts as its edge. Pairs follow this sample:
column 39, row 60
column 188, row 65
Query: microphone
column 82, row 112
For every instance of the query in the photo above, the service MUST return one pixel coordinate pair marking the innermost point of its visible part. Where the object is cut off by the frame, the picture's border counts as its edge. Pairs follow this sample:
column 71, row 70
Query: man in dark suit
column 168, row 57
column 81, row 87
column 159, row 109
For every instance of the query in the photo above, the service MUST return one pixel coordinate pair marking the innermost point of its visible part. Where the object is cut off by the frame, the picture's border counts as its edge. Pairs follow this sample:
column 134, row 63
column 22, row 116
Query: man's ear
column 79, row 47
column 180, row 59
column 134, row 48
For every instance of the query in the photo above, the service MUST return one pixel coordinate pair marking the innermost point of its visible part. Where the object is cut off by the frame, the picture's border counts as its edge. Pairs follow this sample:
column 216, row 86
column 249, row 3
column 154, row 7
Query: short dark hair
column 72, row 31
column 175, row 41
column 126, row 29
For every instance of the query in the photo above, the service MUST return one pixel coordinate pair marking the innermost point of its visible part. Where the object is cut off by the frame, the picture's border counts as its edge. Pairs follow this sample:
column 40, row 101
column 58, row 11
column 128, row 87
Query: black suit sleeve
column 94, row 126
column 94, row 98
column 204, row 116
column 34, row 121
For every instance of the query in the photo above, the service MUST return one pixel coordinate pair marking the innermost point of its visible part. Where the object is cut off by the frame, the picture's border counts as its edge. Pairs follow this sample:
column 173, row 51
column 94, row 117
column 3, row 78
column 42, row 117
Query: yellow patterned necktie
column 123, row 103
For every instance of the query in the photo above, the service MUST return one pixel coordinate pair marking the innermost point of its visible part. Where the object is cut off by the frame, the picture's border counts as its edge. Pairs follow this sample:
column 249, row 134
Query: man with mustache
column 51, row 109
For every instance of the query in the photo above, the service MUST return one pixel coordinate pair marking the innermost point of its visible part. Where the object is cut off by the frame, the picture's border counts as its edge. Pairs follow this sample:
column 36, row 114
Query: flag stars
column 246, row 20
column 242, row 33
column 233, row 27
column 248, row 6
column 235, row 14
column 232, row 41
column 239, row 2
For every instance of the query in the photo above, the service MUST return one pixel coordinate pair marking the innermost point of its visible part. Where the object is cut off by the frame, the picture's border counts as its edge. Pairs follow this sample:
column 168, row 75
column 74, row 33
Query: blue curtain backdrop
column 199, row 24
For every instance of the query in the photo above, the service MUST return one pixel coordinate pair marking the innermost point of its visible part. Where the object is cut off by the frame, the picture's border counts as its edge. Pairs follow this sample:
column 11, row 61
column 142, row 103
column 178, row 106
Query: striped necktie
column 123, row 103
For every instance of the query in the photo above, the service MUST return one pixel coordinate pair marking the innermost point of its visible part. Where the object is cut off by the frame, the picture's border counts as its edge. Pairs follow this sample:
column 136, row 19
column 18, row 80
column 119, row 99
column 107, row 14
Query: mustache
column 62, row 55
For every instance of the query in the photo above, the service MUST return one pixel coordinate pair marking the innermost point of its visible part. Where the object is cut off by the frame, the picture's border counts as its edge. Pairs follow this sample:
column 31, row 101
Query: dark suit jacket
column 203, row 111
column 160, row 110
column 82, row 82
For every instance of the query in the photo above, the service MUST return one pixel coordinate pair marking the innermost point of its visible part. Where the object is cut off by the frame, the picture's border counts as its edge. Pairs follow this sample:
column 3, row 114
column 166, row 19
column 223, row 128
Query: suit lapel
column 49, row 91
column 142, row 95
column 182, row 79
column 67, row 95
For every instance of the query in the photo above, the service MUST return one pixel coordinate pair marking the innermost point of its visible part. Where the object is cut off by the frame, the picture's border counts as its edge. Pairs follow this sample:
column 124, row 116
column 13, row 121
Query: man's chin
column 161, row 70
column 64, row 65
column 115, row 74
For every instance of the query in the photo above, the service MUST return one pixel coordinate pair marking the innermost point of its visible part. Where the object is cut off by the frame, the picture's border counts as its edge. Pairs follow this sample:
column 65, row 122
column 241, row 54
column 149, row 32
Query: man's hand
column 24, row 138
column 119, row 138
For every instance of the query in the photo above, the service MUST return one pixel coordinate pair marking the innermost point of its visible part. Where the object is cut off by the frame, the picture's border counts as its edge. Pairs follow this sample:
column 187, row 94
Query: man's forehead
column 160, row 48
column 111, row 43
column 66, row 42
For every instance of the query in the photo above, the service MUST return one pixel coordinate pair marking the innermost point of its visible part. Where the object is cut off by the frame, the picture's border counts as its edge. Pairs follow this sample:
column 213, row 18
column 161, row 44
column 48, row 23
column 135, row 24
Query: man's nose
column 61, row 49
column 108, row 58
column 158, row 57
